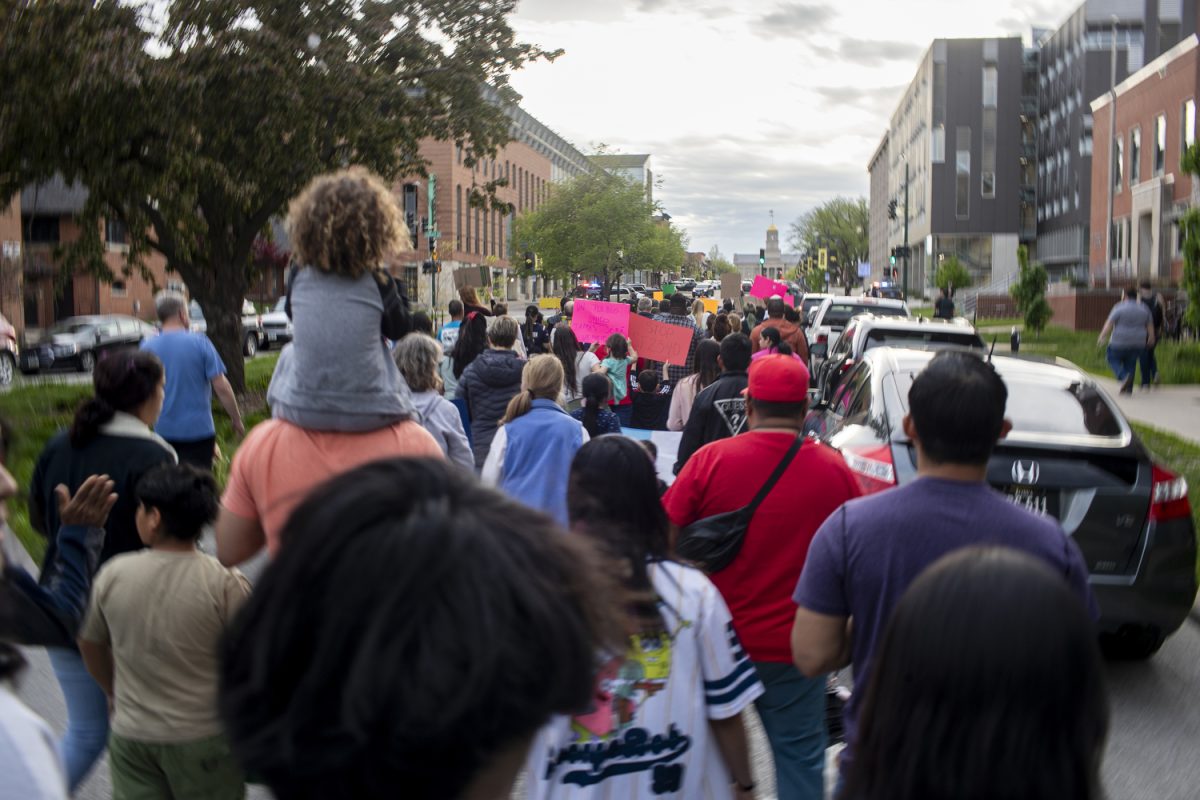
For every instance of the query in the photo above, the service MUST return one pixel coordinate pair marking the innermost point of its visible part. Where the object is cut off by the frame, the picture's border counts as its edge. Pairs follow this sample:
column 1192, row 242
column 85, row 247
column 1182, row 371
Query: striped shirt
column 647, row 734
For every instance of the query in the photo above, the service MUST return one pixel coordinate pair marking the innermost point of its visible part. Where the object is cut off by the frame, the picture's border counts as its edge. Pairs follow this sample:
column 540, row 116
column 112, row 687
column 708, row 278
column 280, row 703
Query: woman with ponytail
column 533, row 447
column 597, row 418
column 111, row 435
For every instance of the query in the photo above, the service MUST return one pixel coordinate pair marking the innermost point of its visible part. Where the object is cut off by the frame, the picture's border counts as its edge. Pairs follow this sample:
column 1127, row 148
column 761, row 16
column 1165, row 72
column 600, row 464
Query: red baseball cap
column 778, row 379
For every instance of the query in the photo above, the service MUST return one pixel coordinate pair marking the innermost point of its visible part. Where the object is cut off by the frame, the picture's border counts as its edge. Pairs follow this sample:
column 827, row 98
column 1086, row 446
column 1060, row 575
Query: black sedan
column 79, row 342
column 1071, row 455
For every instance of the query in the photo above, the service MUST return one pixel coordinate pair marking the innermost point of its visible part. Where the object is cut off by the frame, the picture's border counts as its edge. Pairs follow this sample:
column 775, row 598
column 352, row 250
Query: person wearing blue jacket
column 530, row 457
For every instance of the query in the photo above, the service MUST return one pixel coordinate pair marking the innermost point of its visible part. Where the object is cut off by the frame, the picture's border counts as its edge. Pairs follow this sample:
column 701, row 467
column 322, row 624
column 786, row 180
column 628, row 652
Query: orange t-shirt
column 279, row 464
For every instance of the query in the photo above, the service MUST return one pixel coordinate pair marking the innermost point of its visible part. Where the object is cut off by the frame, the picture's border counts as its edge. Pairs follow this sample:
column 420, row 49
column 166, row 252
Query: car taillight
column 846, row 365
column 822, row 338
column 872, row 466
column 1169, row 498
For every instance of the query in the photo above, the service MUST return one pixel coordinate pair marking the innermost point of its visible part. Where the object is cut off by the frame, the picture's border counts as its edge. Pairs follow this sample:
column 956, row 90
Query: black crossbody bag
column 713, row 543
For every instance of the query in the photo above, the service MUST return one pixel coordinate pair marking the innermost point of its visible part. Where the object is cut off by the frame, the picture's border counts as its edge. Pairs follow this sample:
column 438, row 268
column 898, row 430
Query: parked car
column 868, row 331
column 9, row 352
column 277, row 326
column 888, row 290
column 831, row 317
column 1071, row 455
column 809, row 303
column 685, row 285
column 252, row 327
column 79, row 342
column 640, row 289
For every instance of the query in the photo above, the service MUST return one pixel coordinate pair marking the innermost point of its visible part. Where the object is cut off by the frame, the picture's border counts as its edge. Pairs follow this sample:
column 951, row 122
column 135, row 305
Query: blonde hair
column 468, row 296
column 735, row 322
column 347, row 223
column 417, row 355
column 542, row 379
column 697, row 306
column 503, row 332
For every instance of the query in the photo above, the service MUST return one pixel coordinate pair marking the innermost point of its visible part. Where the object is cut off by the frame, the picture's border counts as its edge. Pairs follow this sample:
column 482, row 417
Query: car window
column 838, row 314
column 128, row 327
column 108, row 330
column 842, row 348
column 894, row 338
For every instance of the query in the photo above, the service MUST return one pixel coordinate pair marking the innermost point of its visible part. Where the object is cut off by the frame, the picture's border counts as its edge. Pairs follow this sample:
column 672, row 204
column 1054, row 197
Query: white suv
column 833, row 314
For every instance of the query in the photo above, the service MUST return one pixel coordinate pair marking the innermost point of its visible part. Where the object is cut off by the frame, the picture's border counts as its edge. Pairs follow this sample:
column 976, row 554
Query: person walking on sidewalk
column 194, row 372
column 1149, row 363
column 1132, row 327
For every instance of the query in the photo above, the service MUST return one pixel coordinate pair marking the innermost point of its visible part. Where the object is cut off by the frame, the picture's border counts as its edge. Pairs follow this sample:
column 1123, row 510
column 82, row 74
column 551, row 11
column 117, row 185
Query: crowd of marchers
column 473, row 576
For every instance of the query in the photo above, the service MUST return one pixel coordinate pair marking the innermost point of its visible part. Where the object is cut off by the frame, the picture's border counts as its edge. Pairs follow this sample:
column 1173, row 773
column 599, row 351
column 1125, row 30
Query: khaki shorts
column 200, row 770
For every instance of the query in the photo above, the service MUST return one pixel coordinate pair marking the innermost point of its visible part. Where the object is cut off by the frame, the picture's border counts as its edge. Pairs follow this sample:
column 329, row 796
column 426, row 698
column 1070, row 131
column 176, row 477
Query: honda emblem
column 1026, row 472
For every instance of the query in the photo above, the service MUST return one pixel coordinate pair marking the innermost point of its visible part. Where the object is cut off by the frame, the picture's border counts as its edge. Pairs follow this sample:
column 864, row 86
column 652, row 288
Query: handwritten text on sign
column 764, row 287
column 594, row 321
column 659, row 341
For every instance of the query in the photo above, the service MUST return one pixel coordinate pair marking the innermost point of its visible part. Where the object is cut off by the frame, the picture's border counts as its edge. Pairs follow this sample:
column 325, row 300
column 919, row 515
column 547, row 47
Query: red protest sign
column 659, row 341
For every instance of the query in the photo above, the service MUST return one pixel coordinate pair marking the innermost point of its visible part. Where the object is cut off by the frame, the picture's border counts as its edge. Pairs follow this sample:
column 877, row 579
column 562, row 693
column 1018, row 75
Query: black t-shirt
column 650, row 410
column 944, row 308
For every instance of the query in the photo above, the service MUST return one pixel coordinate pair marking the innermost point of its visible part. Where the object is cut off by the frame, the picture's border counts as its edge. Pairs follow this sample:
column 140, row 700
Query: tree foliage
column 195, row 121
column 1190, row 229
column 951, row 275
column 842, row 226
column 599, row 225
column 1030, row 292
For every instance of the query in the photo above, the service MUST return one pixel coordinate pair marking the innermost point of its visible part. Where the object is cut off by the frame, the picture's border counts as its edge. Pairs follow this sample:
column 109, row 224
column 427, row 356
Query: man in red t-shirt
column 757, row 586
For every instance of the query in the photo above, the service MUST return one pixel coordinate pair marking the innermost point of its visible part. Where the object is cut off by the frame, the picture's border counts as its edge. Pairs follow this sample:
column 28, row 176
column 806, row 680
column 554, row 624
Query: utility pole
column 907, row 256
column 433, row 235
column 1112, row 155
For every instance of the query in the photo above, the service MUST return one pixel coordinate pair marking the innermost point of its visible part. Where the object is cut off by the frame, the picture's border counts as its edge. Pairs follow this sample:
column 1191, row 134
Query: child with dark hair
column 597, row 419
column 618, row 362
column 650, row 403
column 421, row 323
column 159, row 668
column 311, row 689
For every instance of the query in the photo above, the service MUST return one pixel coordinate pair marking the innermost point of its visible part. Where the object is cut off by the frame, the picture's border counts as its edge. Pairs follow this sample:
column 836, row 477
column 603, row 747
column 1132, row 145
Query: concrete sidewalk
column 1174, row 409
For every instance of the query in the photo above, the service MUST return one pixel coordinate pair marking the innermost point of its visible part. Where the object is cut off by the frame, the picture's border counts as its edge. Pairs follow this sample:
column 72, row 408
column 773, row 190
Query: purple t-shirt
column 871, row 549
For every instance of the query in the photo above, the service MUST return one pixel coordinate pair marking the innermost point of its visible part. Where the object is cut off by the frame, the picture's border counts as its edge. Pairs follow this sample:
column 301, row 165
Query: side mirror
column 819, row 350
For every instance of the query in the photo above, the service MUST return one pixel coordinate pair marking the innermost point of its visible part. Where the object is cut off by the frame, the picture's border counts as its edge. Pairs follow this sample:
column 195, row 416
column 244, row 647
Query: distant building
column 878, row 251
column 957, row 130
column 1073, row 70
column 634, row 167
column 1156, row 122
column 777, row 262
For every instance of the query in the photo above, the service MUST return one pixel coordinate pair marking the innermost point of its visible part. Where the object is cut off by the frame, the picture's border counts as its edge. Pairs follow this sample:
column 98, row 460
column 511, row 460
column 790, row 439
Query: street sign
column 433, row 234
column 823, row 258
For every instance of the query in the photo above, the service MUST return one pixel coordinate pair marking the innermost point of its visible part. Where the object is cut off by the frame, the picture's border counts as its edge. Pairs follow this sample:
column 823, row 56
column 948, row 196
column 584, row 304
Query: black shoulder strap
column 776, row 475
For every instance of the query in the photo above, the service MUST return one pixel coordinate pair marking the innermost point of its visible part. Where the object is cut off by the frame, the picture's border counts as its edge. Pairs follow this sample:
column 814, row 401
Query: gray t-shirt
column 870, row 550
column 1129, row 319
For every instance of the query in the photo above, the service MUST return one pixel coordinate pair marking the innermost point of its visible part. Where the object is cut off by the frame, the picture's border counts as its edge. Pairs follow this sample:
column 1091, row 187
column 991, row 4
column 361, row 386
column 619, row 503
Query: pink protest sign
column 594, row 321
column 659, row 341
column 764, row 287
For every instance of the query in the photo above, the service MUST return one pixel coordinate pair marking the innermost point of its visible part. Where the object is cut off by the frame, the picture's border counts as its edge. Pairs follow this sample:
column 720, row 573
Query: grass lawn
column 1181, row 457
column 36, row 412
column 1178, row 362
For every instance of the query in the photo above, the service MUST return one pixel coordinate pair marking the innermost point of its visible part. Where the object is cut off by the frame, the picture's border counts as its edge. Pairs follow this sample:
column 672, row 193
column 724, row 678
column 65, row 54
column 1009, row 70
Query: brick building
column 1155, row 123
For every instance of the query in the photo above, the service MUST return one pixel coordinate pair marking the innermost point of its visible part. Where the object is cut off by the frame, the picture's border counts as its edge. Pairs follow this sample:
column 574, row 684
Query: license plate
column 1032, row 499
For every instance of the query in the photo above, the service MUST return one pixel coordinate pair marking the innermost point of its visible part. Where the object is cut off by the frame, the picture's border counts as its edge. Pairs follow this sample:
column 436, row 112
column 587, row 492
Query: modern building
column 1155, row 123
column 956, row 137
column 1075, row 68
column 878, row 252
column 633, row 167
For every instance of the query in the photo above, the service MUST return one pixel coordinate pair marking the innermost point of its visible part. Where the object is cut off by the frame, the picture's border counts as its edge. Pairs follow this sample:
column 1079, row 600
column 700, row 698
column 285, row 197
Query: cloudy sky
column 745, row 106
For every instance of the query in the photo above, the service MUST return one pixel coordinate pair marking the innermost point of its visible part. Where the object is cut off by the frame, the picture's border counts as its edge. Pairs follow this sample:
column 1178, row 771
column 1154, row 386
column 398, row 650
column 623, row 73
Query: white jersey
column 647, row 734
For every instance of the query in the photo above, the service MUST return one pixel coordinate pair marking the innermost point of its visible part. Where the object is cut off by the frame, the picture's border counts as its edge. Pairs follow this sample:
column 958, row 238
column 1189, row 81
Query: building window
column 458, row 218
column 988, row 156
column 41, row 230
column 1085, row 145
column 458, row 152
column 467, row 236
column 962, row 171
column 1118, row 164
column 115, row 232
column 937, row 144
column 1160, row 143
column 1189, row 125
column 118, row 289
column 1135, row 156
column 483, row 232
column 990, row 77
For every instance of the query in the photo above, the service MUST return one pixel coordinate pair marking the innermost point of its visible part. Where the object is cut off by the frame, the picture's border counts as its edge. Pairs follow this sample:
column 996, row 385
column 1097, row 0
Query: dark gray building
column 1074, row 68
column 959, row 131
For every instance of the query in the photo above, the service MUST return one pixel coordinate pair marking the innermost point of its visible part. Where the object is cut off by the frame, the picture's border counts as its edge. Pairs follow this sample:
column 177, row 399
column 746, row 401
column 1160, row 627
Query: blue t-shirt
column 870, row 550
column 191, row 363
column 448, row 335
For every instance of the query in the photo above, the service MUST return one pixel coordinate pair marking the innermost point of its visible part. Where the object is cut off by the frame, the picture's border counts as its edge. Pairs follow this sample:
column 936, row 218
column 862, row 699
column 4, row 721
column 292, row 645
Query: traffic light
column 762, row 256
column 892, row 258
column 891, row 209
column 530, row 263
column 429, row 266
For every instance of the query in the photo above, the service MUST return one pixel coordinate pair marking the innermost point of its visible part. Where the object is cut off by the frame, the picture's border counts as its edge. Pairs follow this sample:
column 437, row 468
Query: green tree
column 1190, row 225
column 195, row 121
column 1030, row 293
column 842, row 226
column 599, row 225
column 951, row 275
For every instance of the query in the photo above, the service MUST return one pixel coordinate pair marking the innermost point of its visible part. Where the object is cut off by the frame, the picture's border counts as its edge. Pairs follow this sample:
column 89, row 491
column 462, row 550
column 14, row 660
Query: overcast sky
column 745, row 106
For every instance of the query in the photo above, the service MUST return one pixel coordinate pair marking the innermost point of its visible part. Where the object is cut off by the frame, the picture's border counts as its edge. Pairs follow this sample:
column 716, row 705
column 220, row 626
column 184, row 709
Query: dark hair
column 455, row 307
column 186, row 497
column 612, row 498
column 707, row 366
column 792, row 315
column 1131, row 291
column 443, row 624
column 776, row 307
column 566, row 350
column 664, row 305
column 678, row 304
column 710, row 323
column 499, row 309
column 595, row 390
column 965, row 688
column 650, row 447
column 617, row 346
column 421, row 323
column 735, row 352
column 1146, row 285
column 472, row 340
column 727, row 305
column 957, row 405
column 123, row 382
column 772, row 335
column 721, row 327
column 647, row 380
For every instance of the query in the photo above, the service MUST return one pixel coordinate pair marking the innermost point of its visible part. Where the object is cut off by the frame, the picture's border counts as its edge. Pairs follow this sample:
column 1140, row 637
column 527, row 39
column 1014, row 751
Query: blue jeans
column 793, row 714
column 1123, row 360
column 87, row 715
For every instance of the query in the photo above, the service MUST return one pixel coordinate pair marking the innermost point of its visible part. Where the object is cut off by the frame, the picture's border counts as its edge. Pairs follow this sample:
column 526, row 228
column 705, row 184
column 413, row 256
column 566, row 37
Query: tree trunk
column 220, row 291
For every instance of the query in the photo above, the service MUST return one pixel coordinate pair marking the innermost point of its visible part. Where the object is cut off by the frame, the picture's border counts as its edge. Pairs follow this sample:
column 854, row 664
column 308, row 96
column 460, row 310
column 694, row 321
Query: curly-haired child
column 337, row 374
